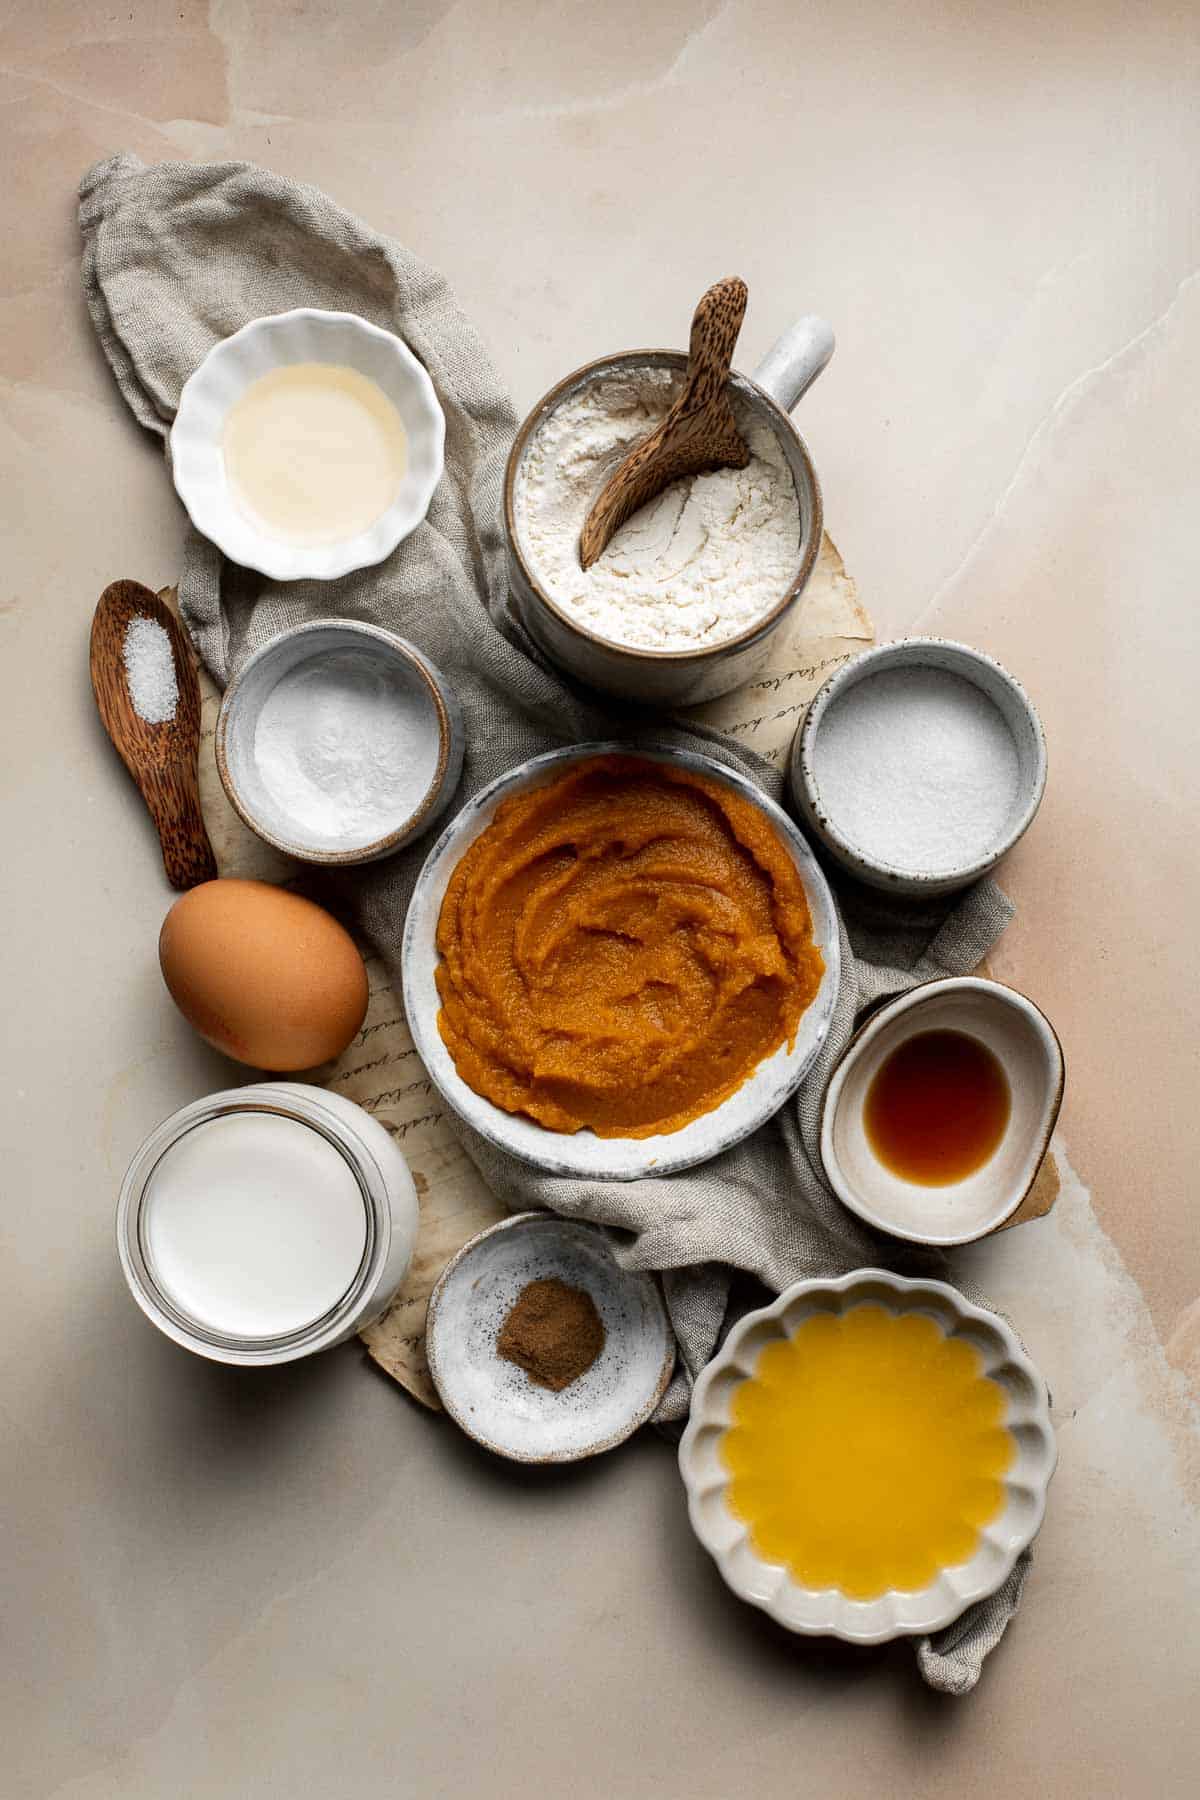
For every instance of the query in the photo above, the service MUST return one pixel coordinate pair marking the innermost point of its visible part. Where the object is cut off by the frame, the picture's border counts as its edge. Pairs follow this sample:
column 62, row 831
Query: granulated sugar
column 150, row 670
column 917, row 768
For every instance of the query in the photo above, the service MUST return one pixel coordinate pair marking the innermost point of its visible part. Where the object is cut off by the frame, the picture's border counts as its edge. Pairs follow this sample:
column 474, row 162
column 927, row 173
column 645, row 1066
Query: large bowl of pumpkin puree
column 619, row 961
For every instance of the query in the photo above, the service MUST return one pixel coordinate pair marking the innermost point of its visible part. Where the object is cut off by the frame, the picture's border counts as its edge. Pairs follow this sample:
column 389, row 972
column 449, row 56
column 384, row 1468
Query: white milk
column 253, row 1225
column 314, row 452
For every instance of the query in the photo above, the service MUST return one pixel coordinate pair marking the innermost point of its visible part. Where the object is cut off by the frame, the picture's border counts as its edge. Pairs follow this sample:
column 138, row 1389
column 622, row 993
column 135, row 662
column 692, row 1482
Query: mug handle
column 795, row 360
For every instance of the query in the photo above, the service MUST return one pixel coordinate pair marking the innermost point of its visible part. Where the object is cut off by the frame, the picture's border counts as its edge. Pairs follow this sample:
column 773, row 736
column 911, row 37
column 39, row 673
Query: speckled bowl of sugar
column 919, row 764
column 339, row 742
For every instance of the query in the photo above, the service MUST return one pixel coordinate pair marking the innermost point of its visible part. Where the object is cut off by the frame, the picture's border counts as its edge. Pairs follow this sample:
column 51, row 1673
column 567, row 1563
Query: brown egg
column 266, row 977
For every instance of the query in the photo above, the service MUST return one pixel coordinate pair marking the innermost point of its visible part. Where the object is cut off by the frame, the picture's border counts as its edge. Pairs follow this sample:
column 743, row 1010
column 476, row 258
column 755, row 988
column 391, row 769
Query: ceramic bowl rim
column 901, row 651
column 871, row 1623
column 400, row 834
column 532, row 1217
column 913, row 1000
column 640, row 653
column 486, row 1118
column 273, row 557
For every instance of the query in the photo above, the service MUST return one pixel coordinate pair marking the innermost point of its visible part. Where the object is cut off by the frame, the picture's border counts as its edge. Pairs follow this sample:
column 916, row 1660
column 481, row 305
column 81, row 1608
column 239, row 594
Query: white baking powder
column 916, row 768
column 150, row 670
column 346, row 747
column 254, row 1225
column 704, row 561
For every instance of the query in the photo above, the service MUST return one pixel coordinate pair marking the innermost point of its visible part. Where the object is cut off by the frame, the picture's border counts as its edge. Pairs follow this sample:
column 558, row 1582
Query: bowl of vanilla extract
column 935, row 1122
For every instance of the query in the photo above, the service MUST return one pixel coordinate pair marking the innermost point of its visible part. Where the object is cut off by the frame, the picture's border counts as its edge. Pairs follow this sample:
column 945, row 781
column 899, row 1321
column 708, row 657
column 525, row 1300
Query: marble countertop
column 220, row 1586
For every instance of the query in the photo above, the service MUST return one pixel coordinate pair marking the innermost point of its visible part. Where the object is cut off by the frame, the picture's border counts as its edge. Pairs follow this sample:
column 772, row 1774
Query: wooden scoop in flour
column 160, row 755
column 698, row 434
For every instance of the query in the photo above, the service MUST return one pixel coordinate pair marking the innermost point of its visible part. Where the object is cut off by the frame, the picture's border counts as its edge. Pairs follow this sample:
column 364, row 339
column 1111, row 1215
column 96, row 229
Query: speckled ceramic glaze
column 305, row 335
column 829, row 1612
column 1006, row 694
column 582, row 1153
column 1016, row 1032
column 493, row 1400
column 418, row 804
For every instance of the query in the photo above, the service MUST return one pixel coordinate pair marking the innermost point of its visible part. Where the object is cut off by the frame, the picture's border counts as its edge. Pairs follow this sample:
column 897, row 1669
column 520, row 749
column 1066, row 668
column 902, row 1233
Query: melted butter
column 866, row 1452
column 314, row 452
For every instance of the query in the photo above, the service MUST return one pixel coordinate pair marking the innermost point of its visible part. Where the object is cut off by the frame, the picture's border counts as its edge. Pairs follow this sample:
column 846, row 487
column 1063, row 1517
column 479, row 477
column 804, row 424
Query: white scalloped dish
column 896, row 1612
column 260, row 348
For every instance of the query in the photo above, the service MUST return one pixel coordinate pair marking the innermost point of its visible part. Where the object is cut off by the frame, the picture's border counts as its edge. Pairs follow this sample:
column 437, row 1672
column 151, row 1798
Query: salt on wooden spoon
column 158, row 739
column 698, row 434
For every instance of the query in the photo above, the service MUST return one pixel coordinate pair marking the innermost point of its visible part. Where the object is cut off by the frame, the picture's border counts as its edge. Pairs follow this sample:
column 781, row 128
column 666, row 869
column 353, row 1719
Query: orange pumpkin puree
column 621, row 948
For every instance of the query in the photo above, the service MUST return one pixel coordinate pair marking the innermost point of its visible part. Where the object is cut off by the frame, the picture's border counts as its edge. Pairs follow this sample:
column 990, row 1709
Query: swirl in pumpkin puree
column 621, row 948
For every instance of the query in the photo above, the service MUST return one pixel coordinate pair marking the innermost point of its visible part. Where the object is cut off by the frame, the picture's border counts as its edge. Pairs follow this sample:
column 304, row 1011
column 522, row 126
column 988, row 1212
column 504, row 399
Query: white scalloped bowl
column 827, row 1611
column 305, row 335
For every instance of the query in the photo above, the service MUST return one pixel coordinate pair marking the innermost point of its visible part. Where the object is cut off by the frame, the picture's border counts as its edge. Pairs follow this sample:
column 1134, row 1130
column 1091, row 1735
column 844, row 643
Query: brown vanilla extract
column 937, row 1108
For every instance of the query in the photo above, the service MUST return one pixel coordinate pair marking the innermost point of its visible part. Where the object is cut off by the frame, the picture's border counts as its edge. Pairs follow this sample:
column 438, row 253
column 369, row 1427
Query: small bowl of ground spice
column 541, row 1346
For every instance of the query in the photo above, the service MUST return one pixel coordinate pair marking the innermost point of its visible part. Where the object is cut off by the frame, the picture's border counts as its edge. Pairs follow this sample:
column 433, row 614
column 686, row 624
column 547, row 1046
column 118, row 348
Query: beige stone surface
column 218, row 1586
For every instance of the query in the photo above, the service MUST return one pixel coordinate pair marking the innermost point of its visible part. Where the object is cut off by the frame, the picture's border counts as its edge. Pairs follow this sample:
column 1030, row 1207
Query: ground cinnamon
column 553, row 1332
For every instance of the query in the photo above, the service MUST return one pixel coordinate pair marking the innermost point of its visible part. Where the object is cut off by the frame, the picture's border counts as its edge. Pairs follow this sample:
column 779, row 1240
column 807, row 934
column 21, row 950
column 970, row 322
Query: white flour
column 918, row 769
column 150, row 670
column 698, row 565
column 345, row 747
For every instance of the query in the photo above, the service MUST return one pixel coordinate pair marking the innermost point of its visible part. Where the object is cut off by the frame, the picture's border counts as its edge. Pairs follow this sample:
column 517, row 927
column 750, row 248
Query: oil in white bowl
column 314, row 453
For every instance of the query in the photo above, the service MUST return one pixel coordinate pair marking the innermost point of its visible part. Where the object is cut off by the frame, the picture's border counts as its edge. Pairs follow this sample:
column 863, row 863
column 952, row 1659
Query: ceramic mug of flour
column 684, row 602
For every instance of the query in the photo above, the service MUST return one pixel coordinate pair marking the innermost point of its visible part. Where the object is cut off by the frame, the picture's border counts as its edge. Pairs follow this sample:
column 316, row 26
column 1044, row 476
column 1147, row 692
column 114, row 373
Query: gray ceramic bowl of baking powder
column 679, row 677
column 848, row 695
column 413, row 706
column 493, row 1399
column 582, row 1153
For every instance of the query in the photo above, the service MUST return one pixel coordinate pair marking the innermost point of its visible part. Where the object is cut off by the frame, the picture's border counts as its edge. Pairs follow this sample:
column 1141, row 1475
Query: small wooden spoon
column 698, row 434
column 161, row 758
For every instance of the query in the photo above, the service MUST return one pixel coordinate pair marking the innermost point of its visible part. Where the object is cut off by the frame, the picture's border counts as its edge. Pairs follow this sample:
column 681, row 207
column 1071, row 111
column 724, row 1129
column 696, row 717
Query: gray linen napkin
column 178, row 256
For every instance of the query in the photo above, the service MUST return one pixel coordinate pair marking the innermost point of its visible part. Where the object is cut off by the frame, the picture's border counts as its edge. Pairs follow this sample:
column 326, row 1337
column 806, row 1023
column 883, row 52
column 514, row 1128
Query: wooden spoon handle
column 699, row 433
column 716, row 323
column 172, row 795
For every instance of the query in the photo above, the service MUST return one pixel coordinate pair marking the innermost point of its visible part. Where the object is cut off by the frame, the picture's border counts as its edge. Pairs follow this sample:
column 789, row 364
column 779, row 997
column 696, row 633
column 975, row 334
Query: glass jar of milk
column 264, row 1223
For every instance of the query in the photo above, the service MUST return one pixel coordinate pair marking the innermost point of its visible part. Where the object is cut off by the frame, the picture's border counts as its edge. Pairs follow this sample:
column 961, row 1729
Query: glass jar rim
column 281, row 1100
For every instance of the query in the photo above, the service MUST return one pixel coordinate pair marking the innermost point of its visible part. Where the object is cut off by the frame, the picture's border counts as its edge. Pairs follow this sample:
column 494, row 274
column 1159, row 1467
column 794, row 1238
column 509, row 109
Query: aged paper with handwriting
column 381, row 1069
column 827, row 629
